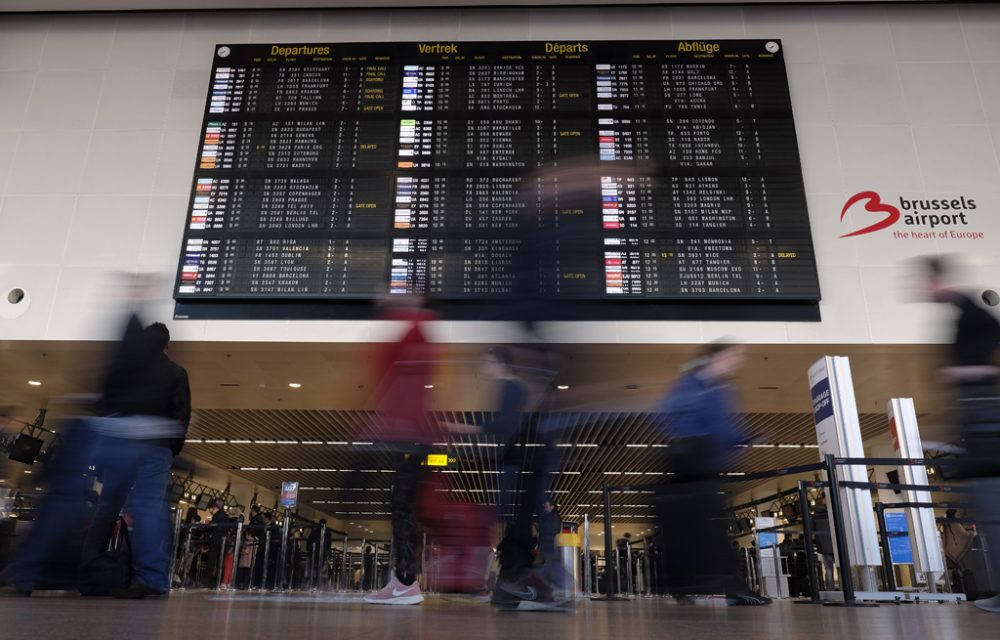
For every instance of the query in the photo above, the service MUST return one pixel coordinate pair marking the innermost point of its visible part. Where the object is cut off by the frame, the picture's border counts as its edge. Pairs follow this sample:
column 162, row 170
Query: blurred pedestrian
column 527, row 472
column 974, row 377
column 144, row 414
column 142, row 418
column 700, row 414
column 405, row 368
column 508, row 418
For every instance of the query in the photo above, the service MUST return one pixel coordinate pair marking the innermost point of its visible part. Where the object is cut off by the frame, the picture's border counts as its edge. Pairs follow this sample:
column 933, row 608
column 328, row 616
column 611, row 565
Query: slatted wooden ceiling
column 344, row 473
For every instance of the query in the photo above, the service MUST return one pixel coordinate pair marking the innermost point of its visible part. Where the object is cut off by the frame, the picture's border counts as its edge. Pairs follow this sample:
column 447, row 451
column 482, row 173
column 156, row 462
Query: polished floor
column 307, row 616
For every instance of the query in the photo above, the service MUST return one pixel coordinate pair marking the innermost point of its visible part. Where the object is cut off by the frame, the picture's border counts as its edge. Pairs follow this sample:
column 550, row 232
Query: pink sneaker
column 396, row 593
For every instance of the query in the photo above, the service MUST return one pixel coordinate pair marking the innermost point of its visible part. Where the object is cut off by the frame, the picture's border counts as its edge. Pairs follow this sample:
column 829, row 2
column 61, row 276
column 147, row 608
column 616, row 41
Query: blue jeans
column 62, row 511
column 136, row 471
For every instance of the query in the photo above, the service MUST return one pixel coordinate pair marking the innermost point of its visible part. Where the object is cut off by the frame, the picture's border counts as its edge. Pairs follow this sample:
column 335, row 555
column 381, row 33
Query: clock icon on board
column 224, row 52
column 772, row 46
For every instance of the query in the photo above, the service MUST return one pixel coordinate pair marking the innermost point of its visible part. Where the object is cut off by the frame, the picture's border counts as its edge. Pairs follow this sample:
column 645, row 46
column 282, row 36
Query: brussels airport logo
column 913, row 218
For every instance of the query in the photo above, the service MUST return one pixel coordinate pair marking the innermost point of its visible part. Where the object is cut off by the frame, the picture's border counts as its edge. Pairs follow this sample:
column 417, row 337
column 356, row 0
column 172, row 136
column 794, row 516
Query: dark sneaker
column 137, row 591
column 529, row 593
column 747, row 600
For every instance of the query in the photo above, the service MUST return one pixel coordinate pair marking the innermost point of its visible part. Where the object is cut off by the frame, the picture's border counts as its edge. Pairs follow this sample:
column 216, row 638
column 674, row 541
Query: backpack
column 109, row 570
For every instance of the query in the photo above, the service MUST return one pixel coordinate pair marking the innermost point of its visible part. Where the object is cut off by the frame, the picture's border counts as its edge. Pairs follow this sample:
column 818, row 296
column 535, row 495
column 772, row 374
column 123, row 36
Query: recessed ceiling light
column 34, row 383
column 428, row 386
column 295, row 385
column 562, row 387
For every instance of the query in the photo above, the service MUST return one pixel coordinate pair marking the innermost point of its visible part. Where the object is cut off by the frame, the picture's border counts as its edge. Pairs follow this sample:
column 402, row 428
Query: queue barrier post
column 186, row 559
column 840, row 535
column 267, row 558
column 807, row 534
column 175, row 543
column 609, row 569
column 322, row 557
column 286, row 523
column 345, row 569
column 220, row 566
column 237, row 545
column 883, row 535
column 586, row 555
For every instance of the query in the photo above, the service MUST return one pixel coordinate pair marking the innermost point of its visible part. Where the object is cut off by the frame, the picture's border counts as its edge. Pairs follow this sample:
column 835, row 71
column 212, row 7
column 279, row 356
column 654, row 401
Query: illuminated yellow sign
column 436, row 460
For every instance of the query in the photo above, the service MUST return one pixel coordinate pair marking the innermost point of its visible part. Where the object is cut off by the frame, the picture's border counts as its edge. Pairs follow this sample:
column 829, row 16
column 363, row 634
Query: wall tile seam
column 41, row 50
column 179, row 30
column 27, row 102
column 982, row 108
column 825, row 54
column 965, row 35
column 994, row 135
column 913, row 138
column 5, row 179
column 937, row 9
column 10, row 169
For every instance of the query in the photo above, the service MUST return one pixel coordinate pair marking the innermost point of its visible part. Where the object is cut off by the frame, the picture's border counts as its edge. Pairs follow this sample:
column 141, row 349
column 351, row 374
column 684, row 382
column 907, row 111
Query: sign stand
column 838, row 433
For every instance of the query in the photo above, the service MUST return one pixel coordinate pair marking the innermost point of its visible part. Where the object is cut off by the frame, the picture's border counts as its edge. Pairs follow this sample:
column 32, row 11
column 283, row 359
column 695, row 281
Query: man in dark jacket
column 700, row 413
column 215, row 546
column 974, row 376
column 143, row 417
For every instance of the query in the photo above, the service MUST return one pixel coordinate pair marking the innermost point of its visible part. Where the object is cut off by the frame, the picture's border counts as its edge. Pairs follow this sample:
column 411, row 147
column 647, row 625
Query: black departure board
column 599, row 171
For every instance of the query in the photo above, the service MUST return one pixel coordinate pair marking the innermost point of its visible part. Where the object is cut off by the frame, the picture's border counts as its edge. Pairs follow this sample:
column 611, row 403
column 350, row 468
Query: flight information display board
column 600, row 170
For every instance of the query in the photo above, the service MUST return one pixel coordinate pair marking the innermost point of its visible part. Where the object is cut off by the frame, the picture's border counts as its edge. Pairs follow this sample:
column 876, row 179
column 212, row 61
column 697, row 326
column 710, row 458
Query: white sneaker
column 396, row 593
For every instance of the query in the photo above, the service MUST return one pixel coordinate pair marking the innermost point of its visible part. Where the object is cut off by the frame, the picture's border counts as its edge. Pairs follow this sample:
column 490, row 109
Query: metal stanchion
column 309, row 572
column 345, row 567
column 364, row 569
column 646, row 571
column 286, row 523
column 807, row 534
column 237, row 544
column 187, row 561
column 175, row 542
column 609, row 553
column 221, row 567
column 375, row 581
column 618, row 571
column 629, row 577
column 837, row 525
column 423, row 564
column 609, row 578
column 267, row 557
column 586, row 555
column 253, row 546
column 323, row 558
column 883, row 536
column 776, row 558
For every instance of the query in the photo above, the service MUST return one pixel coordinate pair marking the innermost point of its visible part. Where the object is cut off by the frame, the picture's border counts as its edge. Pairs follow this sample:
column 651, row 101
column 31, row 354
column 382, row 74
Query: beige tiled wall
column 99, row 119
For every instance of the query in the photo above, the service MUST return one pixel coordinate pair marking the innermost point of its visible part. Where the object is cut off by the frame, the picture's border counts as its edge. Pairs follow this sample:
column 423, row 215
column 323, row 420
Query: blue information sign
column 898, row 532
column 289, row 494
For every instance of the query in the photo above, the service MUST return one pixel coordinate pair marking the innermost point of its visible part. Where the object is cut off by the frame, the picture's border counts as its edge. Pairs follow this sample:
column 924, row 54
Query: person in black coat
column 216, row 542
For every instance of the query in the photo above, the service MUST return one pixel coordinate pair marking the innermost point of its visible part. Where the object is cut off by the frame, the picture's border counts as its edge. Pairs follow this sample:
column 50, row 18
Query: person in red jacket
column 405, row 369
